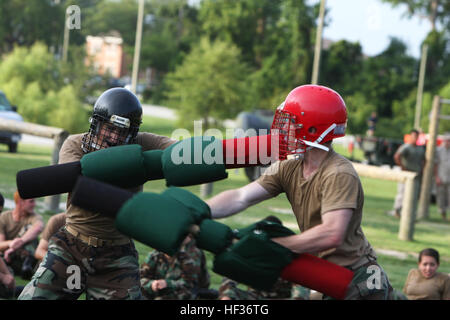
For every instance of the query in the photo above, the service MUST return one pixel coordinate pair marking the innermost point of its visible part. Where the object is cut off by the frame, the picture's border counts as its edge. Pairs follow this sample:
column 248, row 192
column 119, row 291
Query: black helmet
column 119, row 113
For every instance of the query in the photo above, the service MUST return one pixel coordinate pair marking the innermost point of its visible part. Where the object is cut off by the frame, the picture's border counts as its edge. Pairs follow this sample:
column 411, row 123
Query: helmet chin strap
column 316, row 144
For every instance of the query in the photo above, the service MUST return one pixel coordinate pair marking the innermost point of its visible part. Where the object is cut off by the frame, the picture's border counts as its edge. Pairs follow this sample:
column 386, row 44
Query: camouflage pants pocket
column 369, row 283
column 134, row 293
column 115, row 274
column 5, row 292
column 51, row 279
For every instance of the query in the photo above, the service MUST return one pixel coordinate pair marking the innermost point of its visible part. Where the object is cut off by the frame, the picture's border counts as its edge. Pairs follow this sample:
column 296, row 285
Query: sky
column 372, row 22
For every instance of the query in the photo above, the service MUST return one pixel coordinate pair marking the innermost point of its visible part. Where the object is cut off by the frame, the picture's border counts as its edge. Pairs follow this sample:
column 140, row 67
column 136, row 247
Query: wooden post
column 137, row 47
column 407, row 219
column 318, row 47
column 52, row 202
column 206, row 189
column 423, row 63
column 29, row 128
column 425, row 190
column 406, row 229
column 58, row 134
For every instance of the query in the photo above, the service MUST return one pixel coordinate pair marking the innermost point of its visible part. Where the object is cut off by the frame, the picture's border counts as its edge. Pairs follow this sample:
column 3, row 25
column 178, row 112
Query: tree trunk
column 433, row 13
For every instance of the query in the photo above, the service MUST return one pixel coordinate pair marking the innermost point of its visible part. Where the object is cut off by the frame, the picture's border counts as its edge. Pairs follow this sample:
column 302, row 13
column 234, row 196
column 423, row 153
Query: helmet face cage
column 284, row 129
column 310, row 116
column 104, row 133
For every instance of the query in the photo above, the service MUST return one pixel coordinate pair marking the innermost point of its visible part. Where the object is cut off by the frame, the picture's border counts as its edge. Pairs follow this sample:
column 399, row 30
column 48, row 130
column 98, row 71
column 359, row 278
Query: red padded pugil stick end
column 318, row 274
column 247, row 151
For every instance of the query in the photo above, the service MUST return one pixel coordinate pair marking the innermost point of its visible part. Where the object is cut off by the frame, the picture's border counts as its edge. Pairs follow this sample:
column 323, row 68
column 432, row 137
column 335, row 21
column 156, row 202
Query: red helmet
column 311, row 115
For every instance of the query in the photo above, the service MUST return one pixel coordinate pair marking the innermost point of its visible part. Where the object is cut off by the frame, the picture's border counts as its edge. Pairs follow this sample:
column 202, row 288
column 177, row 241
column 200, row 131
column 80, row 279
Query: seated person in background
column 425, row 283
column 175, row 278
column 19, row 230
column 282, row 289
column 55, row 223
column 2, row 202
column 7, row 282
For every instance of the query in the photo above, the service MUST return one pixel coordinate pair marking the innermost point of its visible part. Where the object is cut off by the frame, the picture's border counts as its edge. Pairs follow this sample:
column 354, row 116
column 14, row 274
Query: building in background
column 105, row 54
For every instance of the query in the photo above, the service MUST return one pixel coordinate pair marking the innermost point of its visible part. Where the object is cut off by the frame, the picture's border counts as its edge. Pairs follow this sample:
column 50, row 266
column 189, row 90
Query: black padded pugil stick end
column 47, row 181
column 96, row 196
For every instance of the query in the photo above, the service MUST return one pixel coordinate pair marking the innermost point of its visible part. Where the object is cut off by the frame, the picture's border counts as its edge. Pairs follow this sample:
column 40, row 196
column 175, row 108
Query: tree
column 438, row 60
column 226, row 20
column 389, row 76
column 289, row 59
column 342, row 63
column 359, row 110
column 432, row 10
column 23, row 22
column 109, row 15
column 211, row 82
column 169, row 33
column 444, row 124
column 35, row 82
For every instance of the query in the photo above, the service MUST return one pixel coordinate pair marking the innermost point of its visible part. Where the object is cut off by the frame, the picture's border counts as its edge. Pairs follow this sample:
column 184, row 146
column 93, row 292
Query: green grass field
column 396, row 256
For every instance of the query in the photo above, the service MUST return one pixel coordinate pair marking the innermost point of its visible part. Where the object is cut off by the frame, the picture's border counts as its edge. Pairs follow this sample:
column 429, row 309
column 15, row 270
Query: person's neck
column 312, row 161
column 17, row 214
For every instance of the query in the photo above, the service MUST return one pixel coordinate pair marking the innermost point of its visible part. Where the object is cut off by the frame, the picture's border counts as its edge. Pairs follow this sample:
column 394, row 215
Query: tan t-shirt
column 335, row 185
column 417, row 287
column 13, row 229
column 54, row 224
column 91, row 223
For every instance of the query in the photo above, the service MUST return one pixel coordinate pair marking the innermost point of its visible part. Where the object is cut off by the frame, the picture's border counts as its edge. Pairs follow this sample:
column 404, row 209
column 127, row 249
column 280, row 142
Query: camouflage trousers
column 369, row 282
column 5, row 292
column 72, row 267
column 17, row 258
column 282, row 290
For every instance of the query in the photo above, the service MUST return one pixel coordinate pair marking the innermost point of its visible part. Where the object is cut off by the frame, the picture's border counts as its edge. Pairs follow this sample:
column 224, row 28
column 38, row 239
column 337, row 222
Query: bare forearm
column 41, row 250
column 314, row 240
column 226, row 204
column 233, row 201
column 3, row 268
column 4, row 245
column 32, row 233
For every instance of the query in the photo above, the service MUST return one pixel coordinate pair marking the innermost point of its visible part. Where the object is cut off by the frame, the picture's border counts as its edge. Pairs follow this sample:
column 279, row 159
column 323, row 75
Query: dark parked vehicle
column 7, row 111
column 379, row 151
column 258, row 119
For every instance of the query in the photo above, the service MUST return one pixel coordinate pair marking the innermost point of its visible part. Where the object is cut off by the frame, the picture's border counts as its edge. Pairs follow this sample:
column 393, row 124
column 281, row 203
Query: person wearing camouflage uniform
column 175, row 278
column 89, row 254
column 282, row 289
column 19, row 230
column 7, row 282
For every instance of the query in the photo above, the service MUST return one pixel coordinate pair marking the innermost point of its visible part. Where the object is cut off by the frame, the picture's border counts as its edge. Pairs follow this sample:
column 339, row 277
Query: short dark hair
column 273, row 219
column 2, row 200
column 430, row 252
column 415, row 131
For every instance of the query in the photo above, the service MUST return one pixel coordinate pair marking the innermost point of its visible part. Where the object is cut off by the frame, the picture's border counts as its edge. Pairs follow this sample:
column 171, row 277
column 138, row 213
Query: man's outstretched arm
column 233, row 201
